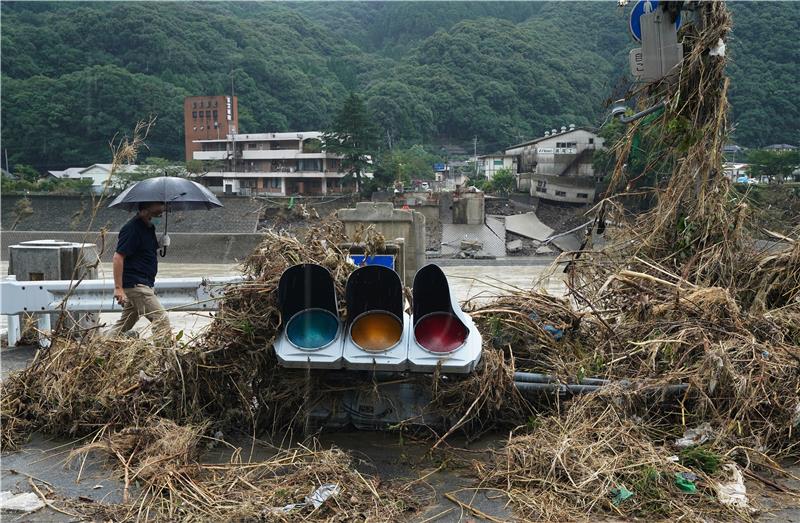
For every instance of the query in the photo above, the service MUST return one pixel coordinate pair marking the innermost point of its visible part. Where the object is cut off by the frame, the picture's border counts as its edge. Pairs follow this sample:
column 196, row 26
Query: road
column 474, row 279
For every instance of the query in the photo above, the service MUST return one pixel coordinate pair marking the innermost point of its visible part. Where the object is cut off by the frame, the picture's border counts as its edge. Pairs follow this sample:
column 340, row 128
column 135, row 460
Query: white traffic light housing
column 311, row 331
column 442, row 334
column 377, row 330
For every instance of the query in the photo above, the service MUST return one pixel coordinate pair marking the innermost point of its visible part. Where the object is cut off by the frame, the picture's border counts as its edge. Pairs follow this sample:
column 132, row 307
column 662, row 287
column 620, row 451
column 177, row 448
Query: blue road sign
column 643, row 7
column 438, row 167
column 386, row 260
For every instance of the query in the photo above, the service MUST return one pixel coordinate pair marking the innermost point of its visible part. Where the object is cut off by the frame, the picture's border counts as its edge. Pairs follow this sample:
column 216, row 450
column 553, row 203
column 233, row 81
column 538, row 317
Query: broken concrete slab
column 570, row 242
column 514, row 246
column 529, row 226
column 24, row 502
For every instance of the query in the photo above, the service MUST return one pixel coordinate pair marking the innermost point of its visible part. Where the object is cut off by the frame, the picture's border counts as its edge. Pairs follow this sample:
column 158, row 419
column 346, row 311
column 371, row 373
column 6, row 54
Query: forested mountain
column 74, row 74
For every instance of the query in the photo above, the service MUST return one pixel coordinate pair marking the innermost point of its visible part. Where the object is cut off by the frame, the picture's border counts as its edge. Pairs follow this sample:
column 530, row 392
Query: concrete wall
column 430, row 211
column 185, row 247
column 572, row 189
column 392, row 223
column 72, row 213
column 468, row 208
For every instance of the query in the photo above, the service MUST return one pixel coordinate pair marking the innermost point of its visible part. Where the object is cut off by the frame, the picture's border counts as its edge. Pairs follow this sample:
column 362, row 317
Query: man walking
column 135, row 264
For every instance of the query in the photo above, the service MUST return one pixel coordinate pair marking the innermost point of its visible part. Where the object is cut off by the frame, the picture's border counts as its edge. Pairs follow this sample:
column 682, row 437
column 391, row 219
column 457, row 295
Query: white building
column 489, row 164
column 735, row 170
column 99, row 174
column 277, row 164
column 559, row 164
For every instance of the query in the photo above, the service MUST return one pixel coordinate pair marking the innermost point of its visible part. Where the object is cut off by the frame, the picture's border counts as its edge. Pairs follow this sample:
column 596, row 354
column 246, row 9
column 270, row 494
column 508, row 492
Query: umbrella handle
column 163, row 251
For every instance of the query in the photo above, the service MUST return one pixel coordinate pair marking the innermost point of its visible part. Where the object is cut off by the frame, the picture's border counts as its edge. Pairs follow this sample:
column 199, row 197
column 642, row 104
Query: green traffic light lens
column 312, row 329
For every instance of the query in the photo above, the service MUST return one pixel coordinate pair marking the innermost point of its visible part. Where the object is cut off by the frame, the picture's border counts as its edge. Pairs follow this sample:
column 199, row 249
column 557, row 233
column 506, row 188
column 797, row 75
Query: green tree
column 152, row 167
column 26, row 172
column 776, row 165
column 503, row 181
column 353, row 136
column 404, row 165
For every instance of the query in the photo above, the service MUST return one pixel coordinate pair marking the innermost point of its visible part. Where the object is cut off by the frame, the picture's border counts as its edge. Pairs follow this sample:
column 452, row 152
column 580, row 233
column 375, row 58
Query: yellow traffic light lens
column 376, row 331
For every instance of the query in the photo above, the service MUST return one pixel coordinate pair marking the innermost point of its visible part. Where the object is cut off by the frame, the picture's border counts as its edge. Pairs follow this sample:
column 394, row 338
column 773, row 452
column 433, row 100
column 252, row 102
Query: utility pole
column 8, row 169
column 475, row 155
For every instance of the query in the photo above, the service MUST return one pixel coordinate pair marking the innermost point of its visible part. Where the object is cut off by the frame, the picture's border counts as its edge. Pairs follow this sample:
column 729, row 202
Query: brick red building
column 208, row 118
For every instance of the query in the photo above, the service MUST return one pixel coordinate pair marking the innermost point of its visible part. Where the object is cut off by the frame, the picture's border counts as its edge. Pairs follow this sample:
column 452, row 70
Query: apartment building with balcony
column 559, row 164
column 270, row 164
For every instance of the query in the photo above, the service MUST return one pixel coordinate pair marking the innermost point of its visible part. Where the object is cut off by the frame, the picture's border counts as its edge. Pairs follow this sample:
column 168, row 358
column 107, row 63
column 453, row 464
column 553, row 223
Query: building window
column 561, row 193
column 214, row 112
column 541, row 189
column 275, row 183
column 215, row 104
column 583, row 195
column 208, row 114
column 194, row 105
column 194, row 114
column 591, row 141
column 314, row 165
column 498, row 163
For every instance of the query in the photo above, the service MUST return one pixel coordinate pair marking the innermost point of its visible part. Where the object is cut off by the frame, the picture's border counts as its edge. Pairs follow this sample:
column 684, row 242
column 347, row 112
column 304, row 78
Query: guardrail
column 43, row 298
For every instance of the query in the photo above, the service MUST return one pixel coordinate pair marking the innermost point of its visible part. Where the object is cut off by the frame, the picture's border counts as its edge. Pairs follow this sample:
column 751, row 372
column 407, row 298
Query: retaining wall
column 184, row 248
column 72, row 213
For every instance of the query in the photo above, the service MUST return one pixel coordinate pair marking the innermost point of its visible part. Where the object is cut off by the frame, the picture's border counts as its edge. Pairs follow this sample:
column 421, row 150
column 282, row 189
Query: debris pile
column 291, row 485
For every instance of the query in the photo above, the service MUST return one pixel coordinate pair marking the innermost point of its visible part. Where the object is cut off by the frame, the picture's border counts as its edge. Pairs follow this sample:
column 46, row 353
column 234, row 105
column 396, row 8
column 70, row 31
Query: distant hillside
column 74, row 74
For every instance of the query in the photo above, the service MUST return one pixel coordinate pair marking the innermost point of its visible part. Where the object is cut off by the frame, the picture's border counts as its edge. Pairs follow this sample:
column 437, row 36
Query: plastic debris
column 685, row 484
column 316, row 498
column 717, row 50
column 25, row 502
column 620, row 494
column 689, row 476
column 733, row 492
column 556, row 333
column 696, row 436
column 319, row 496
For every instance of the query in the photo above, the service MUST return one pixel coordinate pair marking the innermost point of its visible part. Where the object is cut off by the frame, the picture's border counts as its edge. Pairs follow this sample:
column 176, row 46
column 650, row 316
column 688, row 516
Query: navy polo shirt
column 138, row 243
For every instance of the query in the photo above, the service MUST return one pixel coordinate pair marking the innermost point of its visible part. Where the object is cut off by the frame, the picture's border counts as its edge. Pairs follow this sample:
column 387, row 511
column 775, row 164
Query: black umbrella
column 177, row 194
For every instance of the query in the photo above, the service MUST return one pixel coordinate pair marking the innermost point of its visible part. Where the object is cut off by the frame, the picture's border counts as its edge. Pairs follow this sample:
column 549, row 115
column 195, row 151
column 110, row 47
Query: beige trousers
column 142, row 301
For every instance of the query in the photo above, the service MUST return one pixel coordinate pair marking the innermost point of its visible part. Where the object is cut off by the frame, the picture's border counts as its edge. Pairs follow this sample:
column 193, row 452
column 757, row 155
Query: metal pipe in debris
column 564, row 388
column 532, row 377
column 555, row 387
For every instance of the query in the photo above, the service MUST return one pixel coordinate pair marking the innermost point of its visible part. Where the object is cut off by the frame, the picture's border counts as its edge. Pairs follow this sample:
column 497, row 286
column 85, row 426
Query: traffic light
column 442, row 334
column 378, row 335
column 377, row 328
column 311, row 328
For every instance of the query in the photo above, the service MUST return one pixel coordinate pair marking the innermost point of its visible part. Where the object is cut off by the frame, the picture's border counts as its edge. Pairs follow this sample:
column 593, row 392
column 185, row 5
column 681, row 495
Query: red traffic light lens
column 440, row 332
column 376, row 331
